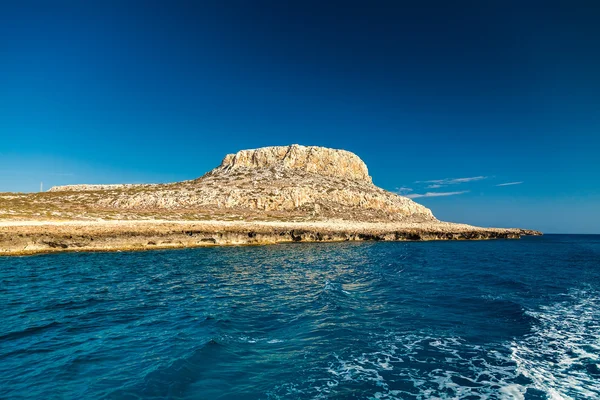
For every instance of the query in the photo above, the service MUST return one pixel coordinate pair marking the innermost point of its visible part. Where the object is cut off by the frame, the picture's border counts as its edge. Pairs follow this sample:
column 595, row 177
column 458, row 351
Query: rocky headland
column 268, row 195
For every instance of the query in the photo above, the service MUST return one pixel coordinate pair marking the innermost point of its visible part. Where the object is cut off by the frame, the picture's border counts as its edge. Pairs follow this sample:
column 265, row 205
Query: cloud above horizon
column 403, row 190
column 509, row 183
column 435, row 194
column 436, row 183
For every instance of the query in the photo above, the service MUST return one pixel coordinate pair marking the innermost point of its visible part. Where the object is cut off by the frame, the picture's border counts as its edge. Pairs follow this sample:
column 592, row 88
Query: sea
column 498, row 319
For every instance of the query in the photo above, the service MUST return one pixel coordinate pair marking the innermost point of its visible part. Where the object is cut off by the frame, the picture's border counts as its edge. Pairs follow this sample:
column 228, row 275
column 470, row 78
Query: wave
column 172, row 380
column 562, row 354
column 30, row 331
column 414, row 367
column 558, row 359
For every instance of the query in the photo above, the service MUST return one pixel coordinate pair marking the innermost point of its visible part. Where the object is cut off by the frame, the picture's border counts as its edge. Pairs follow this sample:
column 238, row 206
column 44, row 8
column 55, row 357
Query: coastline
column 18, row 238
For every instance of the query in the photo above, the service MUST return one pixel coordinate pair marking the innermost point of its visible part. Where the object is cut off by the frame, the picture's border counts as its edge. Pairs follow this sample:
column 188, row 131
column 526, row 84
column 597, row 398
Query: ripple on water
column 476, row 320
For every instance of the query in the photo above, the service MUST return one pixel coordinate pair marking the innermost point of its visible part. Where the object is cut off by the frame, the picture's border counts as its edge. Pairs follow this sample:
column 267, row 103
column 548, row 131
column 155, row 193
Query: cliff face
column 297, row 182
column 317, row 160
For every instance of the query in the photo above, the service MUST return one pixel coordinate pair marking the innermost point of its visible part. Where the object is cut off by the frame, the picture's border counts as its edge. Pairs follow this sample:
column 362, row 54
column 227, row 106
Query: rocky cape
column 267, row 195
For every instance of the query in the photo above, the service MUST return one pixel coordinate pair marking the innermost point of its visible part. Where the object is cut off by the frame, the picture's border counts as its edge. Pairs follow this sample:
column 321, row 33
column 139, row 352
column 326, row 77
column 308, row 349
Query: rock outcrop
column 312, row 159
column 52, row 237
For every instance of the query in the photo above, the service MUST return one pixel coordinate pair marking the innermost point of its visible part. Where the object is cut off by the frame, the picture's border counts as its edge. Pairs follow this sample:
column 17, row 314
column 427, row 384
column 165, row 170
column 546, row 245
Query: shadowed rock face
column 312, row 159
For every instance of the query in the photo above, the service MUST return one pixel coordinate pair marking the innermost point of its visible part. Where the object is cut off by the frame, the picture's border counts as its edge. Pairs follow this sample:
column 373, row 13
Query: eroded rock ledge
column 146, row 235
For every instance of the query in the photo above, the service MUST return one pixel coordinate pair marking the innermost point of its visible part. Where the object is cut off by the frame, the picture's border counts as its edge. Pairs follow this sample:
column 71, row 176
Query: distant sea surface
column 469, row 320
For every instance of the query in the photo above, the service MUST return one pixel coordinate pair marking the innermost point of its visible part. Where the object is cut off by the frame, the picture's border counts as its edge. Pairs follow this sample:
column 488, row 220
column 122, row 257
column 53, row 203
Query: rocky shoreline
column 19, row 238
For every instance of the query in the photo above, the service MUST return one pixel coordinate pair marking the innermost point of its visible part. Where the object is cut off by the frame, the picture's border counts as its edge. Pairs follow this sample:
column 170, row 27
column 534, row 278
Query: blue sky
column 448, row 99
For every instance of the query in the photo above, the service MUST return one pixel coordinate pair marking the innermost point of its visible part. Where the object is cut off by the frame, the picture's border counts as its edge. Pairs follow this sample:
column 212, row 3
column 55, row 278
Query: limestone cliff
column 312, row 159
column 282, row 182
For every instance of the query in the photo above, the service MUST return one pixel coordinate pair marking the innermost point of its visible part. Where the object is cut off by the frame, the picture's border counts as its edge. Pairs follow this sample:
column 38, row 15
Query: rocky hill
column 300, row 182
column 263, row 196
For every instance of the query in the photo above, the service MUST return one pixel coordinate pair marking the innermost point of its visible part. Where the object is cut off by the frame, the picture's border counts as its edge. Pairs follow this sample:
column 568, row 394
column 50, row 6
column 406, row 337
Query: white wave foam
column 557, row 355
column 418, row 367
column 514, row 391
column 249, row 339
column 334, row 286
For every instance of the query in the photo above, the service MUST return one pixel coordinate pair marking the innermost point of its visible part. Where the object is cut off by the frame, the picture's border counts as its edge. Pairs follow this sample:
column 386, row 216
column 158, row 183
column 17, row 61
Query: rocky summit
column 312, row 159
column 280, row 182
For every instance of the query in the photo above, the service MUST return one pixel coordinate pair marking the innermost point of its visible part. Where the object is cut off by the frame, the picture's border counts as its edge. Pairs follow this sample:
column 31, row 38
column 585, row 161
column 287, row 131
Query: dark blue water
column 490, row 319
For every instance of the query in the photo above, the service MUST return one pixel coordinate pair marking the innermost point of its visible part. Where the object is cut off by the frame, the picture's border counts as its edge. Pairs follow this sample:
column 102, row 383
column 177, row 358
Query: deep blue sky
column 107, row 92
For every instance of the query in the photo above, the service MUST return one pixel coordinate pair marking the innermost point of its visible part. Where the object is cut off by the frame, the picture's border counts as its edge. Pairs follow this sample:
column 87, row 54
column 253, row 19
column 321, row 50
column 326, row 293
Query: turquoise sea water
column 474, row 320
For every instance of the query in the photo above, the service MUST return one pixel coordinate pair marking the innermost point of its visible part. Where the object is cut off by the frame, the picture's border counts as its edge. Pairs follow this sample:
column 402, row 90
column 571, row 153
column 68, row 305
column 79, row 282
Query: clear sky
column 488, row 112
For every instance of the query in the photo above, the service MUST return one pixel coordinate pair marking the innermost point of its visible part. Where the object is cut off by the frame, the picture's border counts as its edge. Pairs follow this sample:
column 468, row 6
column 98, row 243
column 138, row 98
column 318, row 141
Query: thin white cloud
column 403, row 190
column 510, row 183
column 454, row 181
column 435, row 194
column 434, row 186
